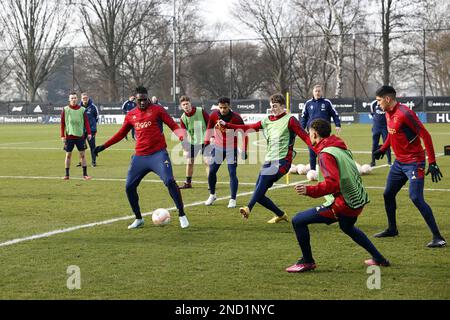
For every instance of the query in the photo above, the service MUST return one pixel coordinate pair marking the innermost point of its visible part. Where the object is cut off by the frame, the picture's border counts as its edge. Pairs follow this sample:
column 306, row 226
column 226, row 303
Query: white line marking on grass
column 94, row 224
column 53, row 148
column 120, row 180
column 406, row 189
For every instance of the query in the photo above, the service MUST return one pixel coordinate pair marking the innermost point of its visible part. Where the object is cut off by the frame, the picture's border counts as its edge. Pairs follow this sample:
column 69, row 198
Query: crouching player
column 342, row 181
column 150, row 152
column 280, row 130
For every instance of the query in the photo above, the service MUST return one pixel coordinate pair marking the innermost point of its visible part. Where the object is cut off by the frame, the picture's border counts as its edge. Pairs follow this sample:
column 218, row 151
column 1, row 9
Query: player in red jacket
column 343, row 182
column 150, row 152
column 405, row 131
column 225, row 147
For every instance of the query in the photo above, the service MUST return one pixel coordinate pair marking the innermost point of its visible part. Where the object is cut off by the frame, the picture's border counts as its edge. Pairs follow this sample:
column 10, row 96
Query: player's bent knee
column 416, row 199
column 169, row 182
column 298, row 220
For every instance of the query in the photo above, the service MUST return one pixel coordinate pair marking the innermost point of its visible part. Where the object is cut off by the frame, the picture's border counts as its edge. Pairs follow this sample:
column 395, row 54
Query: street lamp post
column 174, row 56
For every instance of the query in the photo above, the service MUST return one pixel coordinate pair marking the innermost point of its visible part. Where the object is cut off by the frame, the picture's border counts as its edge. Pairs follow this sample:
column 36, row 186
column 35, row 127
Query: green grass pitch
column 219, row 256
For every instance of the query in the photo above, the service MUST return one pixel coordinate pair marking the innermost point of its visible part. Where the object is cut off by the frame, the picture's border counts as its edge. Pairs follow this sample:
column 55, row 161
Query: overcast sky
column 220, row 11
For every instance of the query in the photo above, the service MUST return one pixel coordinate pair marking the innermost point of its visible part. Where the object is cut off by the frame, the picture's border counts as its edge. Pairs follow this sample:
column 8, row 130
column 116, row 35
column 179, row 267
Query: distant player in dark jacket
column 127, row 106
column 92, row 114
column 379, row 128
column 150, row 152
column 318, row 108
column 345, row 194
column 405, row 132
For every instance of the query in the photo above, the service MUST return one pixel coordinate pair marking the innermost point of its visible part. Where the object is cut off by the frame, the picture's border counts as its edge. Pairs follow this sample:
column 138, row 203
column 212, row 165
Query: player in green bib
column 74, row 123
column 348, row 197
column 194, row 120
column 280, row 130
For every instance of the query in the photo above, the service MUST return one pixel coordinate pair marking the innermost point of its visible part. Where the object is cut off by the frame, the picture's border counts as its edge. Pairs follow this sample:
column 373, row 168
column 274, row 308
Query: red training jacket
column 148, row 125
column 404, row 129
column 223, row 138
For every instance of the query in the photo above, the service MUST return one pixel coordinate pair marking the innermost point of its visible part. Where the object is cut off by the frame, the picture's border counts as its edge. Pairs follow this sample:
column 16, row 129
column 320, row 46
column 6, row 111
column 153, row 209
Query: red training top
column 223, row 137
column 148, row 125
column 404, row 129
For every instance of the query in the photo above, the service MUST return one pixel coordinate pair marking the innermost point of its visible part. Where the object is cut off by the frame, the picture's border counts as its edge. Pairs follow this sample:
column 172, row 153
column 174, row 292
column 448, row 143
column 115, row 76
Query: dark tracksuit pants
column 159, row 163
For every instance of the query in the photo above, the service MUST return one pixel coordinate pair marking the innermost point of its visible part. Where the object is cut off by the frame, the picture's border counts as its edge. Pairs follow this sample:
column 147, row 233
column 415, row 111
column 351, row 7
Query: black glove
column 378, row 154
column 436, row 173
column 99, row 149
column 244, row 155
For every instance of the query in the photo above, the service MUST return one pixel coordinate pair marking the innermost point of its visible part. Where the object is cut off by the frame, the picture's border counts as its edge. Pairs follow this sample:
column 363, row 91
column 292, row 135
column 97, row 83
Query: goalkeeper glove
column 244, row 155
column 99, row 149
column 436, row 173
column 378, row 154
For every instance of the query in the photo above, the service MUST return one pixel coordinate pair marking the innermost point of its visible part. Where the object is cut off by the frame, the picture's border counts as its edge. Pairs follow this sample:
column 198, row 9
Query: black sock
column 84, row 171
column 188, row 179
column 67, row 171
column 138, row 215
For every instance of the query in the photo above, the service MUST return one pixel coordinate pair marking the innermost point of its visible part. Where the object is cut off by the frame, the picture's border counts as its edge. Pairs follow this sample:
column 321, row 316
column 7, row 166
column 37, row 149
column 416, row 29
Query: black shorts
column 195, row 149
column 71, row 143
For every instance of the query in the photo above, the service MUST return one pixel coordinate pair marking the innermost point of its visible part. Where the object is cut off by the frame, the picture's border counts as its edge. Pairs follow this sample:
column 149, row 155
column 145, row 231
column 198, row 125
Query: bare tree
column 436, row 22
column 396, row 17
column 211, row 72
column 34, row 30
column 274, row 22
column 144, row 60
column 189, row 39
column 336, row 20
column 248, row 70
column 107, row 26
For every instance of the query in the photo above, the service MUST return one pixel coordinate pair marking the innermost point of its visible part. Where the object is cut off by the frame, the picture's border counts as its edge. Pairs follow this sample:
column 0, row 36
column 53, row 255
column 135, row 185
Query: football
column 293, row 169
column 301, row 169
column 312, row 175
column 161, row 217
column 366, row 169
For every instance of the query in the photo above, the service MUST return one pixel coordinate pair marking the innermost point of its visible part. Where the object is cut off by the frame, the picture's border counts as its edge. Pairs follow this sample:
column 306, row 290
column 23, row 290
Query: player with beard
column 150, row 152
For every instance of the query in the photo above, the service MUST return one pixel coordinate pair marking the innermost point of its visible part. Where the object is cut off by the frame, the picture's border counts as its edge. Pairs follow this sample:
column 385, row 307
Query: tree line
column 108, row 47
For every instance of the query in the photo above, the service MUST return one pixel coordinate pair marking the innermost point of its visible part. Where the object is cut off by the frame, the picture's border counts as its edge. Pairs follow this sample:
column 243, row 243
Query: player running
column 343, row 182
column 225, row 147
column 404, row 129
column 280, row 130
column 150, row 152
